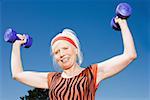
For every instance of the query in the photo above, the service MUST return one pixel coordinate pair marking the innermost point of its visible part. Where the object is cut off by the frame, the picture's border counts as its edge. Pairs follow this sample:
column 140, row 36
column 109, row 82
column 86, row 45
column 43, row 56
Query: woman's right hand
column 21, row 41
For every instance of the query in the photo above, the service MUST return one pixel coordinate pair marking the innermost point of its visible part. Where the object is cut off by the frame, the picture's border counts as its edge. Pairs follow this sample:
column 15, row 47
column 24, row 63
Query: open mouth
column 65, row 59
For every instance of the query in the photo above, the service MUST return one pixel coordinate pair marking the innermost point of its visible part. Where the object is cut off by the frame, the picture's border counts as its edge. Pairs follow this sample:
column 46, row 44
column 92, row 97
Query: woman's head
column 66, row 50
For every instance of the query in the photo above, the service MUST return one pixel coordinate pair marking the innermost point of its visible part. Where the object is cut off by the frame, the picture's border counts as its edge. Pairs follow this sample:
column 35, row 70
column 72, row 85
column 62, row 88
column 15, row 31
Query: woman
column 74, row 82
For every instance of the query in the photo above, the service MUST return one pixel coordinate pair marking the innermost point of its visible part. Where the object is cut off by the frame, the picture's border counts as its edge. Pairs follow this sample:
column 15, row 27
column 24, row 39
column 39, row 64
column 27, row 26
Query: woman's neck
column 73, row 71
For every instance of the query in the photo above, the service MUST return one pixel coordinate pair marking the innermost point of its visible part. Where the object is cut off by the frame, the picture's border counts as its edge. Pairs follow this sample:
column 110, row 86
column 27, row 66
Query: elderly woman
column 74, row 82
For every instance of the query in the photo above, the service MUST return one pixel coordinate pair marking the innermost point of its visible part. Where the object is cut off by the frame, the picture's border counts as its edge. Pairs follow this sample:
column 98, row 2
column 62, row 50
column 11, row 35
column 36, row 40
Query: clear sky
column 90, row 19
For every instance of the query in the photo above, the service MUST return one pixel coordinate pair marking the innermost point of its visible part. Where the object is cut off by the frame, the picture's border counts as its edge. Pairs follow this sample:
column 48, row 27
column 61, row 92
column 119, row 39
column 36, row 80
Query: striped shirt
column 80, row 87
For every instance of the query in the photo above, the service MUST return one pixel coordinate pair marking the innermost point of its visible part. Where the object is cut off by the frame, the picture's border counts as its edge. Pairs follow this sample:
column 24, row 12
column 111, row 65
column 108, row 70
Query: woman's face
column 65, row 54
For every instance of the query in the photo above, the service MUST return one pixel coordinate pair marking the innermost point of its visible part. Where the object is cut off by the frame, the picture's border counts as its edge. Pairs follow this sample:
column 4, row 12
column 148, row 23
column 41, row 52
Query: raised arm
column 116, row 64
column 34, row 79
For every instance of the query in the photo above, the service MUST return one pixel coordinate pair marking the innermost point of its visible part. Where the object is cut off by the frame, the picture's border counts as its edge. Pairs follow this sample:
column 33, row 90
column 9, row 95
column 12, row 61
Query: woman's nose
column 61, row 53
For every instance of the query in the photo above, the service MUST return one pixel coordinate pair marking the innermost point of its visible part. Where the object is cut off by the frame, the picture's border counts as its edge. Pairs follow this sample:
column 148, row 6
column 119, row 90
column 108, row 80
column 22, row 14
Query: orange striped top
column 80, row 87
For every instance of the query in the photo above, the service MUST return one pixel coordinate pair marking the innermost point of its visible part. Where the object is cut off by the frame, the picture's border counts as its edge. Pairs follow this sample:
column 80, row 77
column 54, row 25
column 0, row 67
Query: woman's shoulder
column 52, row 74
column 91, row 67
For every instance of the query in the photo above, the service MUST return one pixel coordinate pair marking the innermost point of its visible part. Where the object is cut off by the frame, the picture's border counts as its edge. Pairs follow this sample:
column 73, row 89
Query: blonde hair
column 72, row 35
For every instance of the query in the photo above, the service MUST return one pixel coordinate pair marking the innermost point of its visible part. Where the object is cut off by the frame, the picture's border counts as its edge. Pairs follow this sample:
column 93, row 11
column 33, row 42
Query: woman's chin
column 66, row 66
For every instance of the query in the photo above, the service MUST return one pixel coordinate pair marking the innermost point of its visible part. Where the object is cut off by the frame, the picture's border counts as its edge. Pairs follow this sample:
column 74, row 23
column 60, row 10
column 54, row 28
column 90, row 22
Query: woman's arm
column 34, row 79
column 116, row 64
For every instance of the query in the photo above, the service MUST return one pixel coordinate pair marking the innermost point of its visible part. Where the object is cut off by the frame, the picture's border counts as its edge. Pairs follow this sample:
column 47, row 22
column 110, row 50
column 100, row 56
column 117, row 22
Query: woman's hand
column 21, row 41
column 120, row 21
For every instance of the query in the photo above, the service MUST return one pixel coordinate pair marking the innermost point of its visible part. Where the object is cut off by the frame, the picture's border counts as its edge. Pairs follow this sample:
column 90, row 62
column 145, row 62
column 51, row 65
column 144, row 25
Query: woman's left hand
column 120, row 20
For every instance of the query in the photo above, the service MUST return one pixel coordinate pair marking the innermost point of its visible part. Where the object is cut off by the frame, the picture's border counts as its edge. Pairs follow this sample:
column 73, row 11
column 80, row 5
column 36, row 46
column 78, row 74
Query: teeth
column 65, row 60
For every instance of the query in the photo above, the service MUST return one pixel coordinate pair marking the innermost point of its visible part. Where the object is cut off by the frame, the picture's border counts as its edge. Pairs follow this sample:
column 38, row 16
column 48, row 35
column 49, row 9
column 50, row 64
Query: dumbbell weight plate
column 29, row 41
column 114, row 25
column 10, row 35
column 123, row 10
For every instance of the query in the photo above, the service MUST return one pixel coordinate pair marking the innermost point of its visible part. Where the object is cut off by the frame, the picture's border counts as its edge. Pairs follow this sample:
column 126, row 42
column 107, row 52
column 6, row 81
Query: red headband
column 64, row 38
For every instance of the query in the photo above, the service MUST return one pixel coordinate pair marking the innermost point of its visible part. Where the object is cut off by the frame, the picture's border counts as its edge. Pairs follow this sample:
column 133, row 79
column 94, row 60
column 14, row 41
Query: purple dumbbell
column 123, row 11
column 11, row 36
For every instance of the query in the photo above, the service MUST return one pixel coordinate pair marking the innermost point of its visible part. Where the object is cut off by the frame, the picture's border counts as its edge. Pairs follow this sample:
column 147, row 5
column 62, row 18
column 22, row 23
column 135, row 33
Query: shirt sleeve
column 94, row 70
column 50, row 77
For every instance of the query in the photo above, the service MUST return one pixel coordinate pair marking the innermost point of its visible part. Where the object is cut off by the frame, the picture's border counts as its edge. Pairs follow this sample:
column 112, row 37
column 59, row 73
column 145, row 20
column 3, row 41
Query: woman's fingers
column 119, row 20
column 25, row 39
column 22, row 39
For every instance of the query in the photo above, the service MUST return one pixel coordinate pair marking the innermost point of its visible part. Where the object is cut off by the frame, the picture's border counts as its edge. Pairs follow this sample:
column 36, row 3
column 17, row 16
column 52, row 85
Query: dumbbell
column 123, row 11
column 11, row 36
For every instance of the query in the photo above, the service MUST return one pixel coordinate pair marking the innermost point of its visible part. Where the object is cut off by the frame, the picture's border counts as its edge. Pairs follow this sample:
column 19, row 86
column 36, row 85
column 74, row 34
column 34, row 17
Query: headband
column 64, row 38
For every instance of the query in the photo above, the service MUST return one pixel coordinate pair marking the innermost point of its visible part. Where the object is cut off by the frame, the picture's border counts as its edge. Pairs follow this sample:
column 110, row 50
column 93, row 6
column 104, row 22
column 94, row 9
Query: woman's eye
column 56, row 52
column 65, row 48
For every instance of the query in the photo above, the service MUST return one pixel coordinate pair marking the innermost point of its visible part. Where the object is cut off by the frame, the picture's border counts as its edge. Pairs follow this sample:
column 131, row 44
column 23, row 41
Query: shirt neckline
column 73, row 76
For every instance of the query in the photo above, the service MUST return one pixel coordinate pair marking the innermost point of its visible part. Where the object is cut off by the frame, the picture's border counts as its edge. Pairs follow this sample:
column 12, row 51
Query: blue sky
column 90, row 19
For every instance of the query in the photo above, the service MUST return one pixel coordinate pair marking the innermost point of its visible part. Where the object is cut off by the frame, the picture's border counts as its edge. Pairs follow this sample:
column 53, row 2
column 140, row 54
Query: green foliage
column 36, row 94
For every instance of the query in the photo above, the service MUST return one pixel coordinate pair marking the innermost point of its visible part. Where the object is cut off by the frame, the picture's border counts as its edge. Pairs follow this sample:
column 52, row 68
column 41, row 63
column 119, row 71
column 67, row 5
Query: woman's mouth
column 65, row 59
